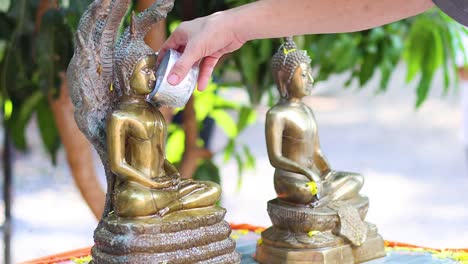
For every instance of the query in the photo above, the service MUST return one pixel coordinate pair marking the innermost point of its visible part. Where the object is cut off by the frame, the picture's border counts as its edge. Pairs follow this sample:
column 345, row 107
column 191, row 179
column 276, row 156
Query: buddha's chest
column 300, row 124
column 147, row 127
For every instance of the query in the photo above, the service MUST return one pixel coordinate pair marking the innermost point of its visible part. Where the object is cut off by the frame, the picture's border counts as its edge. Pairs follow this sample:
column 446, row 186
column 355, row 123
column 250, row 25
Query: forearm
column 279, row 18
column 170, row 169
column 126, row 172
column 321, row 163
column 286, row 164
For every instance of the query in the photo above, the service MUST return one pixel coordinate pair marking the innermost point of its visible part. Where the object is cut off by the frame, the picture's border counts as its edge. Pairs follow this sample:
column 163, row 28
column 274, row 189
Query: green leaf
column 433, row 58
column 54, row 49
column 367, row 68
column 7, row 25
column 21, row 117
column 248, row 65
column 23, row 12
column 173, row 25
column 74, row 11
column 265, row 50
column 247, row 116
column 423, row 90
column 413, row 52
column 250, row 159
column 246, row 61
column 221, row 103
column 225, row 122
column 175, row 146
column 2, row 49
column 347, row 53
column 47, row 128
column 204, row 104
column 207, row 171
column 229, row 150
column 7, row 109
column 4, row 5
column 240, row 169
column 386, row 70
column 376, row 35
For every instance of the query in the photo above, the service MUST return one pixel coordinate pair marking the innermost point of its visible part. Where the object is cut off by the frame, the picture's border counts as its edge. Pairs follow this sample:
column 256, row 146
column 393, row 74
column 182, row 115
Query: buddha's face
column 144, row 77
column 302, row 82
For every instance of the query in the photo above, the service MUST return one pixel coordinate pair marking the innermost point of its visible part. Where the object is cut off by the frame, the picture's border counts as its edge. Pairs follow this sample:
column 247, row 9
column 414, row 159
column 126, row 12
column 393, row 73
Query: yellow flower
column 312, row 187
column 259, row 241
column 243, row 232
column 83, row 260
column 286, row 52
column 258, row 231
column 313, row 233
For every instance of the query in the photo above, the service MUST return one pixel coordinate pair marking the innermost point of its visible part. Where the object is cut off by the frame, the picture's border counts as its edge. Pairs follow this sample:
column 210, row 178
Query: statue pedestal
column 198, row 235
column 309, row 235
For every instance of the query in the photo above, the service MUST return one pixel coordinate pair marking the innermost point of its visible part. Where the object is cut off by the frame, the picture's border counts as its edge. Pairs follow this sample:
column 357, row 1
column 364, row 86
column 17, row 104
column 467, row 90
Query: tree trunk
column 78, row 151
column 193, row 153
column 77, row 148
column 463, row 73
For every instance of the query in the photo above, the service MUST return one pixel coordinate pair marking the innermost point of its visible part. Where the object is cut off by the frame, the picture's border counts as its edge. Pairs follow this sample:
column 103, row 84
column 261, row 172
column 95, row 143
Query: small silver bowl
column 165, row 94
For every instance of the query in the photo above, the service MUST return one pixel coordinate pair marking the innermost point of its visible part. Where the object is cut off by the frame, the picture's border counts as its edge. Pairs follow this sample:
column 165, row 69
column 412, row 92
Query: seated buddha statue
column 147, row 184
column 302, row 173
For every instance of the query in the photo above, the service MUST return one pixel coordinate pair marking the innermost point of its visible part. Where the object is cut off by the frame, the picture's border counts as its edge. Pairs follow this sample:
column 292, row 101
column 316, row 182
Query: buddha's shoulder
column 281, row 110
column 147, row 116
column 123, row 114
column 277, row 109
column 120, row 114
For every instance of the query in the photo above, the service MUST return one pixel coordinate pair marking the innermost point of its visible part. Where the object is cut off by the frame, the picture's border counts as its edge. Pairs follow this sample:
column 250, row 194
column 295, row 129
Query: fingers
column 175, row 41
column 206, row 69
column 183, row 65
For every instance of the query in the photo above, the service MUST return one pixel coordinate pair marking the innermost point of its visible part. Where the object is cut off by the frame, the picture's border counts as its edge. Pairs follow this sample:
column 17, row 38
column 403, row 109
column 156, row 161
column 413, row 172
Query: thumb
column 183, row 65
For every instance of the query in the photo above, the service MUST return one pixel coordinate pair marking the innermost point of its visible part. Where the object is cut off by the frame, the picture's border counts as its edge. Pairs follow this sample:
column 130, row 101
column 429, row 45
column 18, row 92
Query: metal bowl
column 165, row 94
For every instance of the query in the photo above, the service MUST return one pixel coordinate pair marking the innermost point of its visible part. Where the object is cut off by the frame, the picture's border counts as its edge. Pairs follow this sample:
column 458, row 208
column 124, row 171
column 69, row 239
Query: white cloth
column 460, row 58
column 464, row 109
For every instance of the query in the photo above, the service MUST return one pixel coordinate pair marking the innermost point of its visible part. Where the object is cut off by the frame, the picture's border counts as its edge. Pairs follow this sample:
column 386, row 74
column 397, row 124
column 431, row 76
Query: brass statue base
column 310, row 235
column 344, row 254
column 197, row 235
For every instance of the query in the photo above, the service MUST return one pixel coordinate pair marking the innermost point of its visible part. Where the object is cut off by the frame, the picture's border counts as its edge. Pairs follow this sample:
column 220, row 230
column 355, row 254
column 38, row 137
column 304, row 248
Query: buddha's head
column 291, row 71
column 136, row 68
column 143, row 78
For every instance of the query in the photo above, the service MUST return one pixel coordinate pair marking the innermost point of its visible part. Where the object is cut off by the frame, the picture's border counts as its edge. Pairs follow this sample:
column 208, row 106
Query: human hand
column 163, row 212
column 165, row 184
column 175, row 180
column 202, row 40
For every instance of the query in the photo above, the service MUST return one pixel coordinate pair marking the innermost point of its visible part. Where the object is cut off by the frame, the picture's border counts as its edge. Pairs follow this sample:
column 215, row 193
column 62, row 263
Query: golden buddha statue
column 147, row 183
column 318, row 215
column 303, row 174
column 151, row 214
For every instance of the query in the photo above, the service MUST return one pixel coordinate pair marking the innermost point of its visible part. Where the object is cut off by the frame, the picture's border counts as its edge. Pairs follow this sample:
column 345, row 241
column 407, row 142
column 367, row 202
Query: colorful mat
column 248, row 236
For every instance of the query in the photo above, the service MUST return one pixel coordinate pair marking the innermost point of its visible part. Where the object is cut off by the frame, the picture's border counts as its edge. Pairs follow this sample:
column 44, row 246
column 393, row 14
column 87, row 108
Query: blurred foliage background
column 33, row 59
